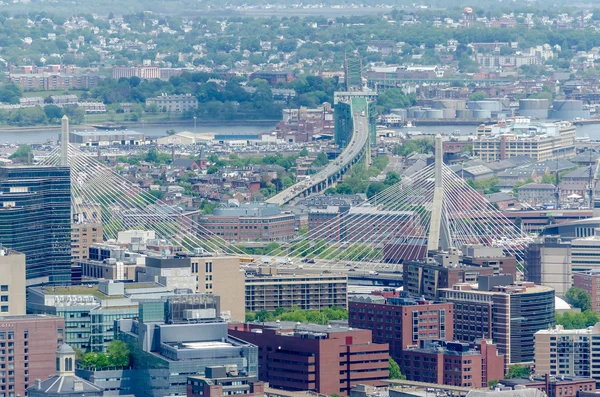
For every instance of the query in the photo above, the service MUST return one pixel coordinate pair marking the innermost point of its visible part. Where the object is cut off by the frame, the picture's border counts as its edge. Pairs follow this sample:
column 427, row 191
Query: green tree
column 492, row 383
column 10, row 93
column 478, row 96
column 395, row 370
column 375, row 188
column 581, row 320
column 53, row 112
column 303, row 152
column 118, row 354
column 518, row 371
column 320, row 161
column 391, row 178
column 578, row 298
column 76, row 115
column 22, row 155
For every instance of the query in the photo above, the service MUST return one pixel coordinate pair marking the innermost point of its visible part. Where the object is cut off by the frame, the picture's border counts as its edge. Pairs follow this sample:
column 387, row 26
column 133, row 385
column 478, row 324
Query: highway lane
column 357, row 143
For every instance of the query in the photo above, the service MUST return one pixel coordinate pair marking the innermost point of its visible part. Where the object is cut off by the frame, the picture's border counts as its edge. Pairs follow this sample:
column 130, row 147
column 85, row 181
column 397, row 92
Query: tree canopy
column 581, row 320
column 578, row 298
column 295, row 314
column 518, row 371
column 395, row 370
column 23, row 154
column 117, row 356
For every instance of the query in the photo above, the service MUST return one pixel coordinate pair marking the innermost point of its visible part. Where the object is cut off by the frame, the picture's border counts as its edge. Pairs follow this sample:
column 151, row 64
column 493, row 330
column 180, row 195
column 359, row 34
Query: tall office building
column 35, row 219
column 509, row 313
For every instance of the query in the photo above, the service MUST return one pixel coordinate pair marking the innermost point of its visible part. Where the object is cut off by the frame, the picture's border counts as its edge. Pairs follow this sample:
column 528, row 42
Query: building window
column 4, row 309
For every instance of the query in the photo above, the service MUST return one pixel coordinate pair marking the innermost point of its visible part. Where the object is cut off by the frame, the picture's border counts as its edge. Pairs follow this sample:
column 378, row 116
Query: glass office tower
column 35, row 219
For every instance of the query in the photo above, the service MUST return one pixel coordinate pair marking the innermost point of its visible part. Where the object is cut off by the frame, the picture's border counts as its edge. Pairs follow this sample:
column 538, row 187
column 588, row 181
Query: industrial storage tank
column 464, row 114
column 482, row 114
column 419, row 113
column 492, row 106
column 568, row 110
column 454, row 104
column 534, row 108
column 449, row 113
column 434, row 113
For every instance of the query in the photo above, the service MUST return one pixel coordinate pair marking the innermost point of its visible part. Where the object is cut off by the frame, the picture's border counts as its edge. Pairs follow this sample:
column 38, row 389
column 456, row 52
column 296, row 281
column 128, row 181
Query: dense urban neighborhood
column 317, row 199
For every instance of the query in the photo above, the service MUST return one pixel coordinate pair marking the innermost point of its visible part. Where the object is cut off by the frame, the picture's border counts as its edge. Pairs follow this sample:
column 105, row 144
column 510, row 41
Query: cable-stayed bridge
column 356, row 149
column 433, row 209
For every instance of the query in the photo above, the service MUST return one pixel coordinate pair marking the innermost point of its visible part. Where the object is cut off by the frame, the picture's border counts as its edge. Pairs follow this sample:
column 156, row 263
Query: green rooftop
column 78, row 290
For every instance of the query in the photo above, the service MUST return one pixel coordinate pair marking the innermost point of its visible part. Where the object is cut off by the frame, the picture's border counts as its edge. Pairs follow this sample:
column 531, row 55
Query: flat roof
column 305, row 327
column 205, row 345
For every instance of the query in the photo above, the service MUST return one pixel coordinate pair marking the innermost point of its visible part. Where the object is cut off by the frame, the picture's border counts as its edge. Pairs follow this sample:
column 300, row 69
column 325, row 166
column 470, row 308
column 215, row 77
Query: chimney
column 38, row 384
column 78, row 385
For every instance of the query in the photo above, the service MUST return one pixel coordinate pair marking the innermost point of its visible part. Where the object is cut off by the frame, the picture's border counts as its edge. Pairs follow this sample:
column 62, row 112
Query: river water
column 42, row 135
column 153, row 130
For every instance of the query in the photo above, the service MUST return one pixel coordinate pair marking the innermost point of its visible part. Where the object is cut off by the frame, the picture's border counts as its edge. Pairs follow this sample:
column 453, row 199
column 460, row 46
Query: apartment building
column 222, row 276
column 174, row 103
column 496, row 311
column 401, row 321
column 568, row 352
column 28, row 346
column 321, row 358
column 524, row 137
column 453, row 363
column 589, row 281
column 83, row 235
column 268, row 291
column 12, row 283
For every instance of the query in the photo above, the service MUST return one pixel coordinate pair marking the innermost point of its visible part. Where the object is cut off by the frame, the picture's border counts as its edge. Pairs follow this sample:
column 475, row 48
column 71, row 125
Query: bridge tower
column 439, row 233
column 64, row 141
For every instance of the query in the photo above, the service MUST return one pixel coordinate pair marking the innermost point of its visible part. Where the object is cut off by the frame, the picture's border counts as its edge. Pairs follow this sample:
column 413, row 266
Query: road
column 351, row 152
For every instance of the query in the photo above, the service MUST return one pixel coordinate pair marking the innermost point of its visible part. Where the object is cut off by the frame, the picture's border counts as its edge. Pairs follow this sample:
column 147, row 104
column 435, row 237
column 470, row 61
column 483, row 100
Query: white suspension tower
column 439, row 234
column 64, row 141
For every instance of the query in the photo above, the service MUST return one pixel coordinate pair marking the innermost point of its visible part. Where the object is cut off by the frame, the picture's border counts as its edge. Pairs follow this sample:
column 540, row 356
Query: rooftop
column 300, row 327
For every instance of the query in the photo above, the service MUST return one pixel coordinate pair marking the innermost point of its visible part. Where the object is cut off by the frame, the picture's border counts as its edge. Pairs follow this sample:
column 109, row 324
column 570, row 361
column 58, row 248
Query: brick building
column 401, row 322
column 28, row 350
column 453, row 363
column 496, row 310
column 423, row 278
column 590, row 282
column 568, row 386
column 325, row 359
column 250, row 222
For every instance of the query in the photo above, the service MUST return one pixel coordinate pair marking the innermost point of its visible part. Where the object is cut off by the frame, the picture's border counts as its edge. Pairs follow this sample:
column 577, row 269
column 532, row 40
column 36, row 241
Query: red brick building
column 250, row 222
column 568, row 386
column 453, row 363
column 589, row 282
column 401, row 322
column 28, row 347
column 313, row 357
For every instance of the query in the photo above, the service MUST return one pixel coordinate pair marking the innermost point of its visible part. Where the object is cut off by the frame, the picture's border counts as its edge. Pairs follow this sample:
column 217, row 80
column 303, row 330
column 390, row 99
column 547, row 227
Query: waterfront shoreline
column 131, row 125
